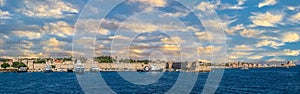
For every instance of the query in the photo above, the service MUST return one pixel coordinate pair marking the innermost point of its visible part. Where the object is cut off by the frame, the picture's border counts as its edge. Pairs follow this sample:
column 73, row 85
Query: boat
column 48, row 69
column 22, row 69
column 70, row 69
column 151, row 68
column 244, row 68
column 94, row 69
column 154, row 68
column 79, row 67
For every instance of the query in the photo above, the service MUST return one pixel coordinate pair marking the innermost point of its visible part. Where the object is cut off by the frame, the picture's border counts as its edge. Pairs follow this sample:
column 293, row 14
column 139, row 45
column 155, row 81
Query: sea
column 233, row 81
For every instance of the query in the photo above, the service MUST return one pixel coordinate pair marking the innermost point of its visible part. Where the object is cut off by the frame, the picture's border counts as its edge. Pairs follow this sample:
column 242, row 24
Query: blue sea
column 252, row 81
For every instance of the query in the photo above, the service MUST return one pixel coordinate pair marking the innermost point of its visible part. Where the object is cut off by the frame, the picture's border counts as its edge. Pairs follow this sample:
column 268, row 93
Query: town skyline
column 256, row 30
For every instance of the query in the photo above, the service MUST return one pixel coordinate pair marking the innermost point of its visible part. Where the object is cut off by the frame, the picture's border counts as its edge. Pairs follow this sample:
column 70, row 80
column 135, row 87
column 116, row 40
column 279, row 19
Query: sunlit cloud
column 4, row 15
column 266, row 19
column 270, row 43
column 48, row 8
column 290, row 37
column 267, row 3
column 28, row 34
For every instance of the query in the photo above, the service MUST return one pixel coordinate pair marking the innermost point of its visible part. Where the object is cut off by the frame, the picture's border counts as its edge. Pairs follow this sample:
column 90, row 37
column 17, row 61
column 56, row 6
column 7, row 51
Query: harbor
column 92, row 65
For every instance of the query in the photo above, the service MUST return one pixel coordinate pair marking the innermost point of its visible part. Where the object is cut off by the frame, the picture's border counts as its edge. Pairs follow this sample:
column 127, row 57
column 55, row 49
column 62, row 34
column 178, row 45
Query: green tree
column 5, row 65
column 18, row 64
column 53, row 66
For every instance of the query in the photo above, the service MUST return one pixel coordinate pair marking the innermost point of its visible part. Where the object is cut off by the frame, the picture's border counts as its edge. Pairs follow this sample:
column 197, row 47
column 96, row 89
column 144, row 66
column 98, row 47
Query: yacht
column 244, row 68
column 69, row 69
column 94, row 69
column 154, row 68
column 48, row 68
column 79, row 67
column 151, row 68
column 22, row 69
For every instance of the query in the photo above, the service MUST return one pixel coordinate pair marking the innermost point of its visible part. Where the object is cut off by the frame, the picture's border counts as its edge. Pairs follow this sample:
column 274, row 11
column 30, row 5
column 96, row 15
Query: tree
column 5, row 65
column 53, row 66
column 18, row 64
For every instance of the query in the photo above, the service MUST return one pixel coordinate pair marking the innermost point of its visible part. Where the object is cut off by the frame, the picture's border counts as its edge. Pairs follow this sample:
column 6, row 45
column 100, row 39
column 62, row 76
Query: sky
column 206, row 30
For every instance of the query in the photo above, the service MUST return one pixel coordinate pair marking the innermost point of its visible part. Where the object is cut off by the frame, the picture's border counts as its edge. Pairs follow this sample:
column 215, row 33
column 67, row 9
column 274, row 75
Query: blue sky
column 254, row 30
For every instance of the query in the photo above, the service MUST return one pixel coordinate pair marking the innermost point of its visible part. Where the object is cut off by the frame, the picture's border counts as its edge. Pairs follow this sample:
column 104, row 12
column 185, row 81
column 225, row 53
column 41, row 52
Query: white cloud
column 206, row 7
column 27, row 44
column 150, row 4
column 243, row 48
column 295, row 18
column 234, row 29
column 140, row 26
column 290, row 37
column 176, row 39
column 289, row 52
column 59, row 28
column 237, row 6
column 255, row 57
column 53, row 42
column 28, row 34
column 2, row 2
column 249, row 33
column 4, row 15
column 157, row 3
column 270, row 43
column 293, row 8
column 276, row 59
column 209, row 49
column 1, row 41
column 48, row 8
column 202, row 35
column 168, row 47
column 52, row 45
column 267, row 3
column 266, row 19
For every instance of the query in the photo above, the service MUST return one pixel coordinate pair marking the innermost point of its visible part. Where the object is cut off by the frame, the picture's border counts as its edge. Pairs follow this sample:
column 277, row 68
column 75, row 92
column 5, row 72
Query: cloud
column 156, row 3
column 1, row 41
column 175, row 39
column 255, row 57
column 53, row 42
column 206, row 7
column 276, row 59
column 150, row 4
column 266, row 19
column 209, row 49
column 28, row 34
column 119, row 37
column 48, row 8
column 53, row 45
column 249, row 33
column 59, row 28
column 270, row 43
column 243, row 48
column 295, row 18
column 2, row 3
column 267, row 3
column 168, row 47
column 4, row 15
column 237, row 6
column 142, row 26
column 293, row 8
column 234, row 29
column 289, row 52
column 290, row 37
column 27, row 44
